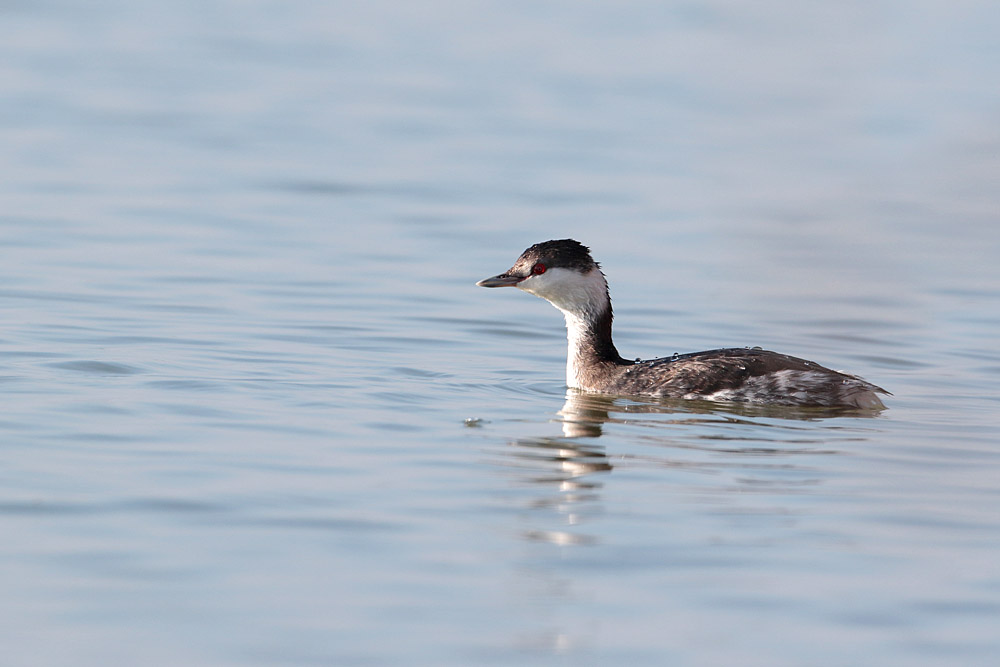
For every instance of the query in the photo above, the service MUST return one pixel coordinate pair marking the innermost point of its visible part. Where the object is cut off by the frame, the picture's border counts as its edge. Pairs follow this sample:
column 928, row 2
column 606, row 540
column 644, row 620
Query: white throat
column 581, row 298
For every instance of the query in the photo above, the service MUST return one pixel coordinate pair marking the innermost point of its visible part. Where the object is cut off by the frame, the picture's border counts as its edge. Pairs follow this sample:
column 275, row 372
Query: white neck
column 583, row 299
column 576, row 335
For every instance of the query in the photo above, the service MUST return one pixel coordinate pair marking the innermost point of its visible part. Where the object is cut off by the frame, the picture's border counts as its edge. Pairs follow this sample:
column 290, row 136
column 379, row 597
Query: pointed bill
column 503, row 280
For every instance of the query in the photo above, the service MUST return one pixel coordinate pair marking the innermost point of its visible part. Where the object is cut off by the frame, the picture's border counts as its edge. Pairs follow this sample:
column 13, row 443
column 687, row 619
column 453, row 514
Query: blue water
column 257, row 413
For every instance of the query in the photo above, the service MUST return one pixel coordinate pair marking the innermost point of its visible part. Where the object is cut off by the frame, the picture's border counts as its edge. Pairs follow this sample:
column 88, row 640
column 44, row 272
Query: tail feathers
column 864, row 394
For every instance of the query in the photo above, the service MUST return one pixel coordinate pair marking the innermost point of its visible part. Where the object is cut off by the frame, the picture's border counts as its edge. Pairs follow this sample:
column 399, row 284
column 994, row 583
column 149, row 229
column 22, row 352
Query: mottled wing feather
column 717, row 370
column 741, row 374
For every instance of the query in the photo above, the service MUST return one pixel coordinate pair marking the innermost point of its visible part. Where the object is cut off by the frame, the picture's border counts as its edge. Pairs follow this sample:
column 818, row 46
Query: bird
column 563, row 273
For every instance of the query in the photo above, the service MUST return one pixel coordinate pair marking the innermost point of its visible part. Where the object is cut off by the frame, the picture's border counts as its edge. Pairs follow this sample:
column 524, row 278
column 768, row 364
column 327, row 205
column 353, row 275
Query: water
column 256, row 411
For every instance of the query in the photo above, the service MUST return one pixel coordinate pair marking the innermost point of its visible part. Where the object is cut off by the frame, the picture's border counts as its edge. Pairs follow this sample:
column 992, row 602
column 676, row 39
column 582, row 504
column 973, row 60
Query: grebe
column 564, row 274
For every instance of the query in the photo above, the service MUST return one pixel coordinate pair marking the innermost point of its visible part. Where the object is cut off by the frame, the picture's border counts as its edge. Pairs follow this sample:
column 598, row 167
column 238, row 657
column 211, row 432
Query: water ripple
column 94, row 367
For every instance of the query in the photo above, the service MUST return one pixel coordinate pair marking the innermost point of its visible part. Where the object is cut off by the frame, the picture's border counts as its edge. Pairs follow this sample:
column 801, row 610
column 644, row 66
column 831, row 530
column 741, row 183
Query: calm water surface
column 256, row 411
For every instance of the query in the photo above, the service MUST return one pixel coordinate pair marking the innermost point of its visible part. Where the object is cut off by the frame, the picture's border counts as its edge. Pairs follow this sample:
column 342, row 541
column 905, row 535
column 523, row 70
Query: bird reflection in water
column 737, row 448
column 568, row 467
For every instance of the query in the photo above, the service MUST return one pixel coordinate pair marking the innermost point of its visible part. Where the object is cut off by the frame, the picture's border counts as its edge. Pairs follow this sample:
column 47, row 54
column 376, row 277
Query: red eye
column 538, row 269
